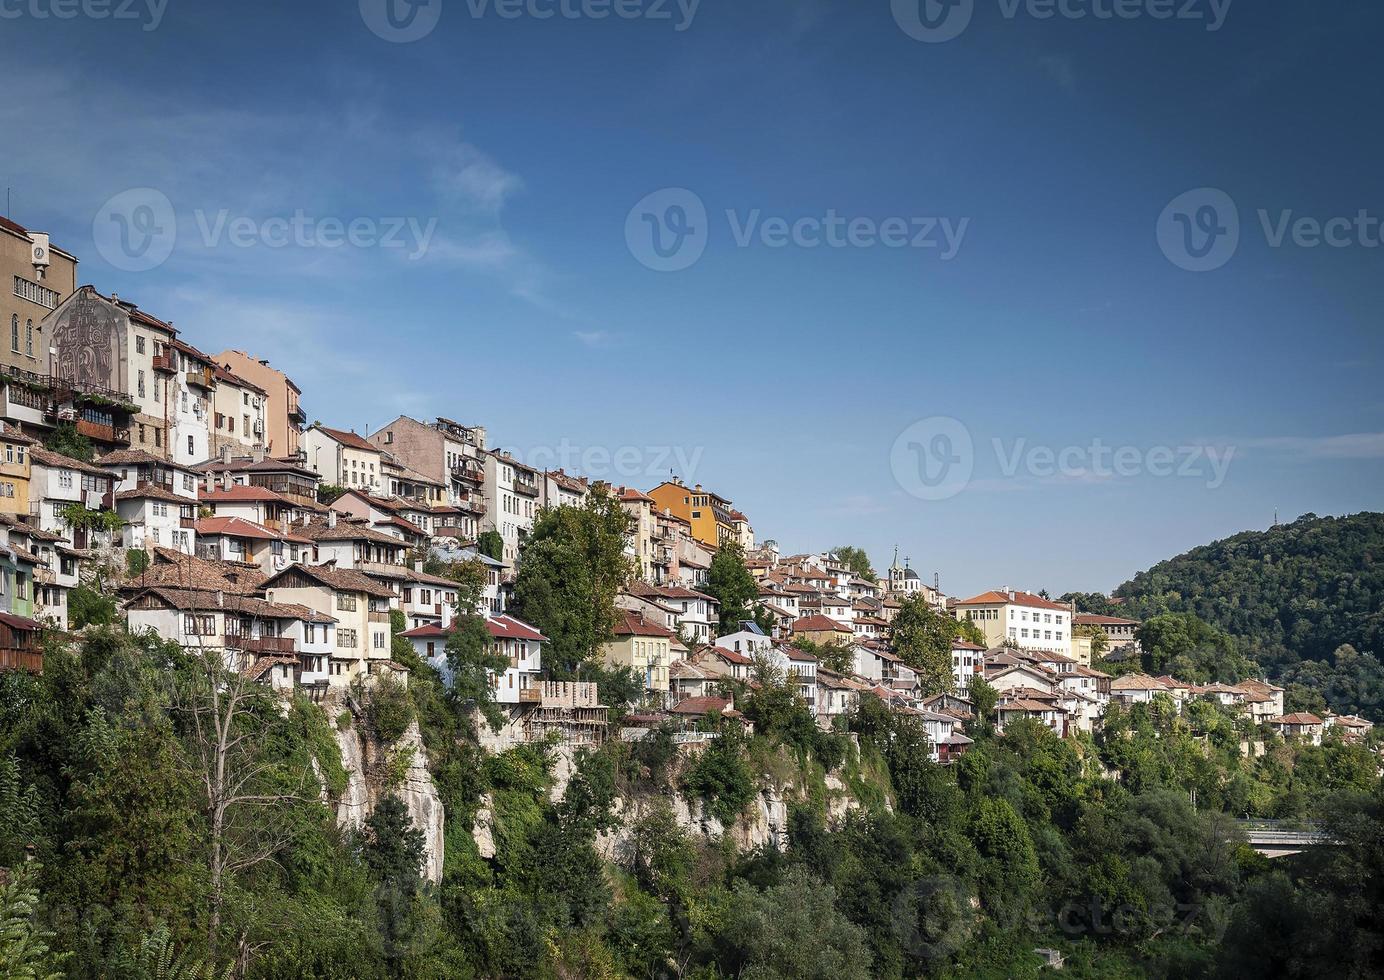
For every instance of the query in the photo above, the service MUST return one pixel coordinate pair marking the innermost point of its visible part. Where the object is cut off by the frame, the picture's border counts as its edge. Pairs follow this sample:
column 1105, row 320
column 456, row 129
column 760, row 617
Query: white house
column 513, row 638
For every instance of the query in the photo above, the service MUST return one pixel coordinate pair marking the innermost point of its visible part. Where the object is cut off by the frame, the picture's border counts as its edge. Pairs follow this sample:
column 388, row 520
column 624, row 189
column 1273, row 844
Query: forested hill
column 1294, row 592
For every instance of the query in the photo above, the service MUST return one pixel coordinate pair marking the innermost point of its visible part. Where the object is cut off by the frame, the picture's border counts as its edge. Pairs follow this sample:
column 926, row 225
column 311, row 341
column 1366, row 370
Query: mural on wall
column 89, row 335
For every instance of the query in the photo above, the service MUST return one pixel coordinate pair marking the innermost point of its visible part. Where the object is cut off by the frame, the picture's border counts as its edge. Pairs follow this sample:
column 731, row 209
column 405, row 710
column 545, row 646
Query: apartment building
column 15, row 463
column 35, row 277
column 512, row 499
column 360, row 606
column 284, row 415
column 1025, row 619
column 237, row 416
column 710, row 515
column 344, row 459
column 643, row 646
column 445, row 452
column 157, row 500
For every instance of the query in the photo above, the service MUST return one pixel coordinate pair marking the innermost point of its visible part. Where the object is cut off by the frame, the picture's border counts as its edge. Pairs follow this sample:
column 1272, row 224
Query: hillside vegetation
column 1304, row 600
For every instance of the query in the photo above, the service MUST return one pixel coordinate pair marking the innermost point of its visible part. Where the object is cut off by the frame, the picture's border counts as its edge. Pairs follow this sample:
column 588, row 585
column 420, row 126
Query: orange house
column 708, row 513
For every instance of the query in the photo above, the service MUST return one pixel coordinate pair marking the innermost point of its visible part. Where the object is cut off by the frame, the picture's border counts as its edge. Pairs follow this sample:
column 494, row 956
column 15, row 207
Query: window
column 139, row 343
column 346, row 603
column 35, row 293
column 191, row 449
column 29, row 338
column 65, row 479
column 199, row 625
column 158, row 395
column 160, row 509
column 141, row 384
column 277, row 549
column 14, row 332
column 379, row 641
column 346, row 638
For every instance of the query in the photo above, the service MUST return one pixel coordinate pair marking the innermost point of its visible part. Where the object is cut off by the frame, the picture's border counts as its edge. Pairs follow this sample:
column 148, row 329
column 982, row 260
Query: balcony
column 262, row 644
column 471, row 473
column 526, row 488
column 530, row 695
column 164, row 362
column 202, row 378
column 378, row 617
column 31, row 660
column 97, row 431
column 298, row 414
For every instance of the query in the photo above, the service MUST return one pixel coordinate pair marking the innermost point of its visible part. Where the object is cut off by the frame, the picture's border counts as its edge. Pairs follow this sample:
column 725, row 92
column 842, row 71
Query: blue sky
column 781, row 376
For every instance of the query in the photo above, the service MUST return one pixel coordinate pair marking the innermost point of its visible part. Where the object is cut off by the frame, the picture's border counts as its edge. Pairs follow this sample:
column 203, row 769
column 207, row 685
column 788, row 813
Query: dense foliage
column 1290, row 597
column 1121, row 850
column 572, row 567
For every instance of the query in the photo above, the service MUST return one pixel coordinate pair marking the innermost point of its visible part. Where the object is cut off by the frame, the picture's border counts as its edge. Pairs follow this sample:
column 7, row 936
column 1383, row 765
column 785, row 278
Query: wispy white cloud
column 592, row 338
column 1355, row 445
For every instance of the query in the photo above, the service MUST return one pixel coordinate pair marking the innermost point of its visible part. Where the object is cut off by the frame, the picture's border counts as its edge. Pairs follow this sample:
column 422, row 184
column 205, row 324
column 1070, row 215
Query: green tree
column 491, row 544
column 24, row 952
column 1100, row 640
column 1190, row 649
column 730, row 583
column 922, row 637
column 857, row 561
column 67, row 441
column 983, row 698
column 790, row 931
column 572, row 567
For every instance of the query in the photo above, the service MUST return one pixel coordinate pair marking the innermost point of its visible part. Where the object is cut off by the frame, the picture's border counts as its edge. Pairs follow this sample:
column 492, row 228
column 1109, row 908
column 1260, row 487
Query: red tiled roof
column 1297, row 718
column 239, row 527
column 700, row 706
column 819, row 624
column 1091, row 619
column 350, row 439
column 633, row 624
column 994, row 597
column 502, row 627
column 242, row 492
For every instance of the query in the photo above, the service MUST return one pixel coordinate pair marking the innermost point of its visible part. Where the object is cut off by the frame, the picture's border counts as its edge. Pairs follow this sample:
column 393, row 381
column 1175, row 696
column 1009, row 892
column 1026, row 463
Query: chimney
column 220, row 598
column 226, row 452
column 331, row 518
column 257, row 454
column 227, row 481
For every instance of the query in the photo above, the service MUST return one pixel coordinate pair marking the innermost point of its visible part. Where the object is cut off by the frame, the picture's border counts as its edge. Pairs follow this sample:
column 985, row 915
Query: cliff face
column 764, row 821
column 371, row 768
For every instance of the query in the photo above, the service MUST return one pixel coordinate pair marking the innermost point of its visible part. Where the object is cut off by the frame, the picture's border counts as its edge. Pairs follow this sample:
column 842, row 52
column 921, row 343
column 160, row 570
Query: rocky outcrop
column 372, row 770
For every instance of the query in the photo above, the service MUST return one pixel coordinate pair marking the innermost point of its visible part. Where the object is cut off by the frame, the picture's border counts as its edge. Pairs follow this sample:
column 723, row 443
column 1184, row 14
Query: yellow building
column 14, row 471
column 643, row 646
column 709, row 514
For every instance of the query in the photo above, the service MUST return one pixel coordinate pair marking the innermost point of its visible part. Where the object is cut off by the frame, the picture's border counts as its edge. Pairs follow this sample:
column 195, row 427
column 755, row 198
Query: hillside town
column 224, row 521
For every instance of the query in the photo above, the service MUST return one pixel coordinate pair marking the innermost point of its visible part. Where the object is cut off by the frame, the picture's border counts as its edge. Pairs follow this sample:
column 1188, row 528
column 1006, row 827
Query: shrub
column 388, row 709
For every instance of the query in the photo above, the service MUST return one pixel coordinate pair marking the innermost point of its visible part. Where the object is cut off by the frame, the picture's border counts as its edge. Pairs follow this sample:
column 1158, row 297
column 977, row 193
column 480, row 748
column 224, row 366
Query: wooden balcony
column 164, row 362
column 262, row 644
column 202, row 378
column 378, row 617
column 31, row 660
column 525, row 488
column 97, row 431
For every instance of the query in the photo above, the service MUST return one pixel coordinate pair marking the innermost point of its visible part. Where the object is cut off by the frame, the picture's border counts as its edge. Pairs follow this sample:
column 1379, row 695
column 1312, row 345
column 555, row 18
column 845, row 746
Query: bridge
column 1273, row 839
